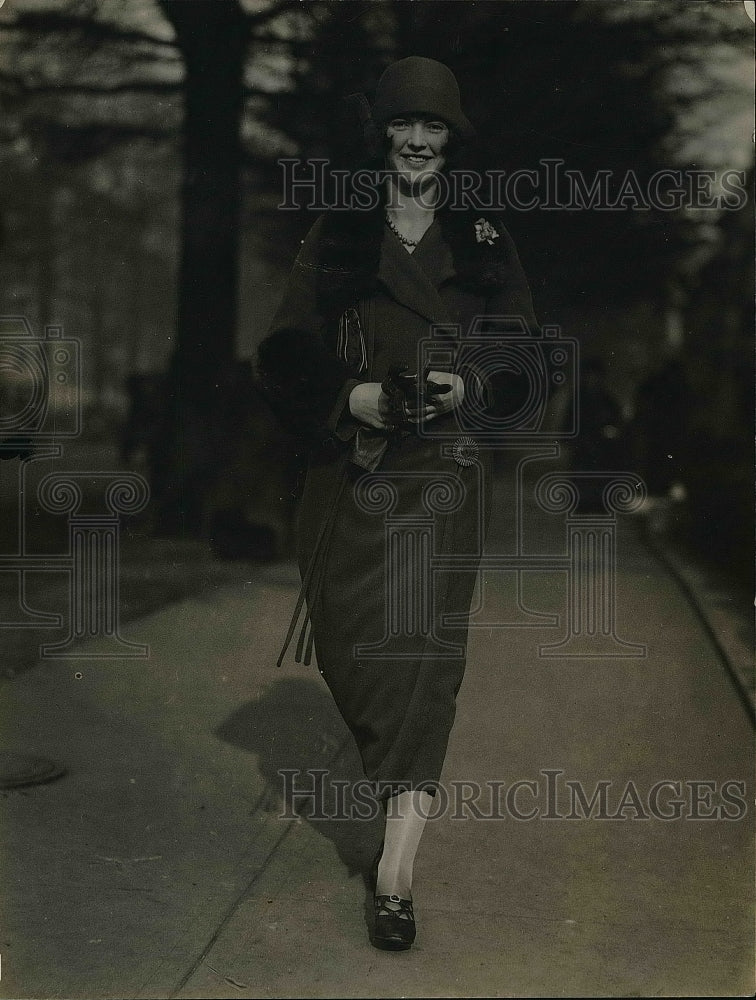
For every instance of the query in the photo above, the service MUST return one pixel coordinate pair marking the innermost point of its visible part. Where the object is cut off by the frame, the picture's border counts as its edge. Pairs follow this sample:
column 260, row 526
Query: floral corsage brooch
column 485, row 232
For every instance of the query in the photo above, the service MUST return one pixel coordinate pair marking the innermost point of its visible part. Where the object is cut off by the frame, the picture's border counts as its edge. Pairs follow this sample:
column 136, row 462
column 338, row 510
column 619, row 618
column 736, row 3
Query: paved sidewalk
column 160, row 866
column 725, row 607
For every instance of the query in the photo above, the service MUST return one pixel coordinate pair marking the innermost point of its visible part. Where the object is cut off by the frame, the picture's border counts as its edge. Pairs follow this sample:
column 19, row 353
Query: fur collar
column 349, row 253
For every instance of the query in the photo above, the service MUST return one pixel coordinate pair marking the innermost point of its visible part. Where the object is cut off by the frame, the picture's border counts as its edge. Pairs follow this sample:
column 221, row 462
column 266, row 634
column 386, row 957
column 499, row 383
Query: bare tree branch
column 83, row 141
column 272, row 12
column 94, row 30
column 20, row 86
column 24, row 86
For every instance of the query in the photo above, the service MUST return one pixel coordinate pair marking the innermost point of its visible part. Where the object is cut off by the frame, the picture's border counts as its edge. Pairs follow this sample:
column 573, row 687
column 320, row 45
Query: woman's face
column 416, row 149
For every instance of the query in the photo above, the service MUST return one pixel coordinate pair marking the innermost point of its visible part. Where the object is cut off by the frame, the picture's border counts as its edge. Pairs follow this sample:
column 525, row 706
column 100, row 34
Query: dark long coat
column 389, row 629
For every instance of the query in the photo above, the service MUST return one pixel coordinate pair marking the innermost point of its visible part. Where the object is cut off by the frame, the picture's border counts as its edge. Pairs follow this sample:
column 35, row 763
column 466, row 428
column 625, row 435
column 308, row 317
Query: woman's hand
column 368, row 403
column 447, row 401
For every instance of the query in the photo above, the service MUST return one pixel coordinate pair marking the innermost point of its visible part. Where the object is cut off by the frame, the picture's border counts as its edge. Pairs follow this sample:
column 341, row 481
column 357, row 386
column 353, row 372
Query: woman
column 371, row 292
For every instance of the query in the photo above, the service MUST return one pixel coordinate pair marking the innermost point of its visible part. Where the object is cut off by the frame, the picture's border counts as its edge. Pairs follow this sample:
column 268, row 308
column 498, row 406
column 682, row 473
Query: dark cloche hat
column 421, row 85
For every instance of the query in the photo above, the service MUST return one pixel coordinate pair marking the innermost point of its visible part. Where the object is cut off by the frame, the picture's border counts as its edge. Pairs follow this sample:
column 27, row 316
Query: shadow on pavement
column 294, row 727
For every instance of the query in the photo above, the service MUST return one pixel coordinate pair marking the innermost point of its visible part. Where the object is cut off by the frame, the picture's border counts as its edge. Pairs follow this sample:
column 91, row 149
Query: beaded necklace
column 403, row 239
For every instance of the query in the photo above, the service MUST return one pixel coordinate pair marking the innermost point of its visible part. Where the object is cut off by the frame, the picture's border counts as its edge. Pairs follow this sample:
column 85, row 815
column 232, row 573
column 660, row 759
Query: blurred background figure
column 139, row 430
column 599, row 445
column 660, row 430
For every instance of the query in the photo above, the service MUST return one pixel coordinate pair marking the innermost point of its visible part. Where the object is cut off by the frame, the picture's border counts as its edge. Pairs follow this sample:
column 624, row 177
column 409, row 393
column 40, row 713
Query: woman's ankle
column 394, row 881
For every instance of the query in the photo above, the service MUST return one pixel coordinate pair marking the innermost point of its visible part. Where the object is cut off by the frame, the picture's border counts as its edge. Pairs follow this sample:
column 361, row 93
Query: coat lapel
column 406, row 279
column 357, row 254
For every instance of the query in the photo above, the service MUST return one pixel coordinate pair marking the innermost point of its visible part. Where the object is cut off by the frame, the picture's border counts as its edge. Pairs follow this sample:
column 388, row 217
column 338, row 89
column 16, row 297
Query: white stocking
column 405, row 821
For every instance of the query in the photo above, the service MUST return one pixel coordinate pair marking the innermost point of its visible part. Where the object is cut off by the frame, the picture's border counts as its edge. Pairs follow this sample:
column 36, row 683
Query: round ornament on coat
column 465, row 451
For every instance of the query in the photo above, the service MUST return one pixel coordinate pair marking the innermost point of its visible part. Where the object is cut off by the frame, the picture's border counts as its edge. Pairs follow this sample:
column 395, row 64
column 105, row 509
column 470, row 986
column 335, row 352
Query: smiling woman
column 416, row 147
column 344, row 365
column 415, row 157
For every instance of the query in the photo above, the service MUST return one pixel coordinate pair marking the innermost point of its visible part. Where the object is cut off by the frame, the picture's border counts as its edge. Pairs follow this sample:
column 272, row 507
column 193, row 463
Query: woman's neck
column 414, row 209
column 409, row 216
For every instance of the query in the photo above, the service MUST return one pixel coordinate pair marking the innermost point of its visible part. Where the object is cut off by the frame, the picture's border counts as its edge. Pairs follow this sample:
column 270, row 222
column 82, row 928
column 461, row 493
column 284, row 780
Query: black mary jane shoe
column 394, row 927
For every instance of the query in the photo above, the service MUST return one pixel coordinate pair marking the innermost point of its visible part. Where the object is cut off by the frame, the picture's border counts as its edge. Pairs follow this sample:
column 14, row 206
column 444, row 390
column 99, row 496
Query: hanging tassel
column 312, row 582
column 306, row 627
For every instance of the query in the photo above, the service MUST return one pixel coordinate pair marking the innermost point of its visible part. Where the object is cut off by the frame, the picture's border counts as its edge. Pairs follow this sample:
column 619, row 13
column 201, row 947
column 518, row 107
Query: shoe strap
column 403, row 909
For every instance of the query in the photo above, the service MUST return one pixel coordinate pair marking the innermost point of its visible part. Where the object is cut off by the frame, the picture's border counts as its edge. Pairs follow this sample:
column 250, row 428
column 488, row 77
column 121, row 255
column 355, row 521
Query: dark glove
column 407, row 393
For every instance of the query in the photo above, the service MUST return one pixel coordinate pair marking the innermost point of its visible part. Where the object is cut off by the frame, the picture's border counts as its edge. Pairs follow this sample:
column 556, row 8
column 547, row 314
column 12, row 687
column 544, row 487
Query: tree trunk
column 212, row 37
